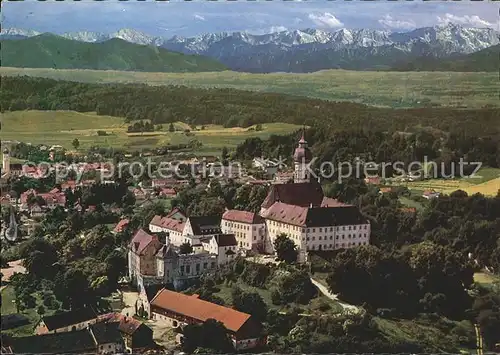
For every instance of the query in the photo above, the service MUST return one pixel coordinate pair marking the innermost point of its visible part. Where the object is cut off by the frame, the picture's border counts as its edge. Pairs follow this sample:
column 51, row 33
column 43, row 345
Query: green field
column 388, row 89
column 486, row 181
column 62, row 127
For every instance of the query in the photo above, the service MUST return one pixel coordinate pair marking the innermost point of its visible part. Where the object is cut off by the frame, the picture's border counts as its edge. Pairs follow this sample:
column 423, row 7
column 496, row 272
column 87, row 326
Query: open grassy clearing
column 9, row 307
column 438, row 334
column 62, row 127
column 313, row 307
column 388, row 89
column 486, row 181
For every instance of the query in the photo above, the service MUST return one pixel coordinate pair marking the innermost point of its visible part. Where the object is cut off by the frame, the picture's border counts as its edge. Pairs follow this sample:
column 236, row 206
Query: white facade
column 174, row 236
column 249, row 236
column 319, row 238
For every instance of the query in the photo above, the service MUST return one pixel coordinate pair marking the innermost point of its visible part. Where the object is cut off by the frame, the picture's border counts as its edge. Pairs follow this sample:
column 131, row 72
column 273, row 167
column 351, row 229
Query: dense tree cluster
column 230, row 107
column 425, row 279
column 378, row 147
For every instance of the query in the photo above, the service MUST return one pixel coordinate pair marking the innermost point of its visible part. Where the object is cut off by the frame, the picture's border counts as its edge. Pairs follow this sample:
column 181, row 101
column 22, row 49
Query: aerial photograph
column 250, row 177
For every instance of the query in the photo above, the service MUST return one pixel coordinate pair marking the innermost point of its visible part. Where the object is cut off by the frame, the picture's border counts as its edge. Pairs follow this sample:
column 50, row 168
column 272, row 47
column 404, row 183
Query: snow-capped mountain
column 17, row 33
column 310, row 49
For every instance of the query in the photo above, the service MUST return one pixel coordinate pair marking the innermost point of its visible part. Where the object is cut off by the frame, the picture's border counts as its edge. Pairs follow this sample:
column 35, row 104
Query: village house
column 102, row 338
column 430, row 194
column 51, row 199
column 172, row 225
column 120, row 226
column 167, row 192
column 172, row 265
column 135, row 334
column 177, row 310
column 107, row 338
column 224, row 246
column 248, row 227
column 198, row 227
column 66, row 321
column 153, row 262
column 142, row 254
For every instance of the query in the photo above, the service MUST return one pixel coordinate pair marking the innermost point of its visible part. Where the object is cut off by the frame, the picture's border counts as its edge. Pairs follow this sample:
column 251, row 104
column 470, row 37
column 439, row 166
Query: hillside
column 486, row 60
column 51, row 51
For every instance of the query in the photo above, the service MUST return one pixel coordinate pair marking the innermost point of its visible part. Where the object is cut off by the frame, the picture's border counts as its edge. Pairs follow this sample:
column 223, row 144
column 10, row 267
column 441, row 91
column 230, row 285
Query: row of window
column 349, row 236
column 187, row 268
column 320, row 229
column 238, row 225
column 332, row 246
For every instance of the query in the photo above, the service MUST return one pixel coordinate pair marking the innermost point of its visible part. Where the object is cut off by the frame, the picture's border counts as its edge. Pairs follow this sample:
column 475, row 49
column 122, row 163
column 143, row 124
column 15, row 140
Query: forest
column 231, row 108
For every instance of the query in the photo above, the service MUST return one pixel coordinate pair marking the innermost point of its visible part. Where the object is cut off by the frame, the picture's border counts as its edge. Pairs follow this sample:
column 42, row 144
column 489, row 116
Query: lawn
column 62, row 127
column 387, row 89
column 9, row 307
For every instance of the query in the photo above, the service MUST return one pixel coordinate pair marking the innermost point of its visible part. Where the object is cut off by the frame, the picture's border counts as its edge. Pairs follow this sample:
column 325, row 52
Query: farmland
column 486, row 181
column 62, row 127
column 385, row 89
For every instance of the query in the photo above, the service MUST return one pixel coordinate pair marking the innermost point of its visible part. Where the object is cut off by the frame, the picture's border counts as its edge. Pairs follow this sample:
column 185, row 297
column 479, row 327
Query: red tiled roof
column 200, row 310
column 122, row 224
column 168, row 191
column 168, row 223
column 314, row 216
column 332, row 202
column 54, row 197
column 141, row 240
column 127, row 325
column 243, row 217
column 289, row 214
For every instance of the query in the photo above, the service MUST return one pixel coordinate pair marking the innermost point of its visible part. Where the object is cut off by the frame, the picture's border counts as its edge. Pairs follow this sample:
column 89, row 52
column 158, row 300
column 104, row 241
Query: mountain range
column 51, row 51
column 310, row 50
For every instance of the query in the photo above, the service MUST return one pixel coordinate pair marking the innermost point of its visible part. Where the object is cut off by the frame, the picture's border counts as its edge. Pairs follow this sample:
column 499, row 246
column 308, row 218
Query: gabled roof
column 200, row 310
column 332, row 202
column 303, row 194
column 121, row 225
column 242, row 217
column 68, row 318
column 105, row 333
column 315, row 216
column 78, row 341
column 168, row 223
column 127, row 325
column 205, row 225
column 226, row 240
column 141, row 240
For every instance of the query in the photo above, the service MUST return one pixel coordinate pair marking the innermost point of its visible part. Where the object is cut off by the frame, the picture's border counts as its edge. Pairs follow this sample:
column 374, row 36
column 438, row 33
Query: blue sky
column 196, row 17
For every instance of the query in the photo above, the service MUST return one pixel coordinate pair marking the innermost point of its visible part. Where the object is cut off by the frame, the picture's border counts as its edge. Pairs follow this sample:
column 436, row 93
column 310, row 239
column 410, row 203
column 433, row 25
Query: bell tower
column 301, row 158
column 6, row 163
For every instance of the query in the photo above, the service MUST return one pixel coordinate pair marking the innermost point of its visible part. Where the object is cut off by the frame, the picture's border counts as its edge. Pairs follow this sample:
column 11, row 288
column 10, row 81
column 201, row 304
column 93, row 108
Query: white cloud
column 277, row 29
column 390, row 22
column 199, row 17
column 325, row 19
column 474, row 21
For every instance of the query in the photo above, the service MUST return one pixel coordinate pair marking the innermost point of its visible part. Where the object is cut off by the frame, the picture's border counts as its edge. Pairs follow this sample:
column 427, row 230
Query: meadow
column 383, row 89
column 486, row 181
column 62, row 127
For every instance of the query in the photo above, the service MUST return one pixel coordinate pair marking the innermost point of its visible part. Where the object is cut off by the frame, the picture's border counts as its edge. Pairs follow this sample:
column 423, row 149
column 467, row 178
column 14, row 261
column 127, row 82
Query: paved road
column 325, row 291
column 479, row 340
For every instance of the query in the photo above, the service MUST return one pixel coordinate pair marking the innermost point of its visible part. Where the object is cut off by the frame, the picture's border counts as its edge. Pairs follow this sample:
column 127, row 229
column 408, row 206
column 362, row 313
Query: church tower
column 301, row 158
column 6, row 163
